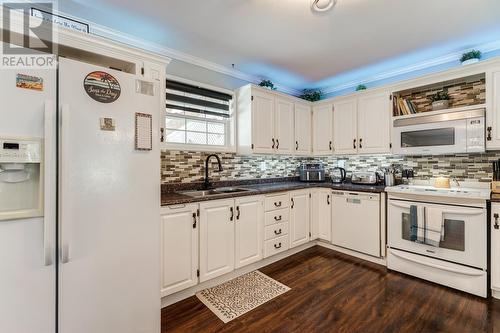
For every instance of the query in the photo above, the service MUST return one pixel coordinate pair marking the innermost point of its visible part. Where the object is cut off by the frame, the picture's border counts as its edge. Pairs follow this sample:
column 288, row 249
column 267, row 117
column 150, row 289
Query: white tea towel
column 421, row 225
column 434, row 226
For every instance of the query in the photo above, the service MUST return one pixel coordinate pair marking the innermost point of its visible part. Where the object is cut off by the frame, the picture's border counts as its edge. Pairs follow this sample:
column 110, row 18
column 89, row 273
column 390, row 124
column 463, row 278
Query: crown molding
column 448, row 58
column 118, row 36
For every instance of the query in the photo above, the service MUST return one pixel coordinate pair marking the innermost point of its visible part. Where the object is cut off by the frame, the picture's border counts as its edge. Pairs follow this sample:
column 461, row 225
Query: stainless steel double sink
column 215, row 192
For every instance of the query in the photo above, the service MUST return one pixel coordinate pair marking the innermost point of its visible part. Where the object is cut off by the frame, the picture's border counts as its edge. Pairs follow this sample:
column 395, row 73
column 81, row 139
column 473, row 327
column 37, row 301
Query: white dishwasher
column 356, row 221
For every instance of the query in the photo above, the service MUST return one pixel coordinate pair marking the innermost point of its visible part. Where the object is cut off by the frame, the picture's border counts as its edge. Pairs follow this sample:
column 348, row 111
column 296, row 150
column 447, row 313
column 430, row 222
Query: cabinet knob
column 354, row 143
column 277, row 204
column 488, row 137
column 277, row 232
column 330, row 145
column 496, row 226
column 277, row 246
column 296, row 145
column 361, row 143
column 274, row 143
column 277, row 144
column 328, row 199
column 238, row 212
column 232, row 214
column 277, row 218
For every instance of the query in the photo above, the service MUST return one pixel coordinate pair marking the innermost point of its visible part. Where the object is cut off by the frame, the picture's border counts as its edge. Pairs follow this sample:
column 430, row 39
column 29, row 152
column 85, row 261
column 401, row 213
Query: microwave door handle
column 49, row 174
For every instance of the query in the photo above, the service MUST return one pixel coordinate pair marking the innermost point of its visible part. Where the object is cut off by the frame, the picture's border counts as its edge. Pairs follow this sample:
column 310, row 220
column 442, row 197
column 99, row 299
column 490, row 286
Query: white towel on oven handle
column 434, row 228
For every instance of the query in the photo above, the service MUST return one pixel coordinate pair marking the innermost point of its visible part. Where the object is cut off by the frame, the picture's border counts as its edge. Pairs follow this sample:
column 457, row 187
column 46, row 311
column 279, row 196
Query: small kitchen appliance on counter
column 364, row 178
column 338, row 175
column 312, row 172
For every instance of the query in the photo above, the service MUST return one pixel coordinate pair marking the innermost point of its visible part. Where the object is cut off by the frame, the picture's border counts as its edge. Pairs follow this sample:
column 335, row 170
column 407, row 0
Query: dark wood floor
column 332, row 292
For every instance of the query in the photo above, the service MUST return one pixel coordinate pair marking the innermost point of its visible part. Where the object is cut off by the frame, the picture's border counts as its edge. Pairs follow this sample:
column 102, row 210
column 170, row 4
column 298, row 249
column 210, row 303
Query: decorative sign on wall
column 143, row 131
column 108, row 124
column 62, row 21
column 102, row 87
column 29, row 82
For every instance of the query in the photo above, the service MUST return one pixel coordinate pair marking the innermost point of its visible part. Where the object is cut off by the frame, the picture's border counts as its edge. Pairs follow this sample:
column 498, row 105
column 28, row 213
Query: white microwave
column 445, row 133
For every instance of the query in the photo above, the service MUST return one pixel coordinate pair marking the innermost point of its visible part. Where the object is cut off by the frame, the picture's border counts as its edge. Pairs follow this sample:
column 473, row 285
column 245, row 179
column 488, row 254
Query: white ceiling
column 285, row 41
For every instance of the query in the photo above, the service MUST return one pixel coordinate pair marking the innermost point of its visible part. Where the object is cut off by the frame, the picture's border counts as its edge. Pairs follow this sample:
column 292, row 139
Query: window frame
column 230, row 135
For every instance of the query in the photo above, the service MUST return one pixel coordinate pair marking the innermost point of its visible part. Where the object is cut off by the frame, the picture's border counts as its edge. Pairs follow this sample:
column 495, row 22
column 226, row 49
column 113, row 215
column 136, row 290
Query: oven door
column 463, row 237
column 431, row 139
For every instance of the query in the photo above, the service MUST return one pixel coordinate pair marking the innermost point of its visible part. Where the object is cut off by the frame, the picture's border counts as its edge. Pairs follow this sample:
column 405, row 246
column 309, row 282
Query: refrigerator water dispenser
column 21, row 185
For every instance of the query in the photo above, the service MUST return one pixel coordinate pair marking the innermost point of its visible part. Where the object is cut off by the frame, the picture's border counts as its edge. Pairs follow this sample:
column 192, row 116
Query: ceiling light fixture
column 320, row 8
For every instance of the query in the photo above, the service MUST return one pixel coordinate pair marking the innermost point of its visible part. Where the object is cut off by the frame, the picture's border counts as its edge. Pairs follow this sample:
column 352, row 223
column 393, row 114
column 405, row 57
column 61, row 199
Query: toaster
column 312, row 172
column 364, row 178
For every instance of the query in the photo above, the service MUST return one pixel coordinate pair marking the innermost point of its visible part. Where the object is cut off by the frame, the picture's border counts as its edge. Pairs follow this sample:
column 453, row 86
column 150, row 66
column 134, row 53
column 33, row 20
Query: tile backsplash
column 187, row 166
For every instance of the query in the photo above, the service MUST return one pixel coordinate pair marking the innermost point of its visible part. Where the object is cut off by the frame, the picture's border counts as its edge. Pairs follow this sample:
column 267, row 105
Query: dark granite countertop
column 176, row 198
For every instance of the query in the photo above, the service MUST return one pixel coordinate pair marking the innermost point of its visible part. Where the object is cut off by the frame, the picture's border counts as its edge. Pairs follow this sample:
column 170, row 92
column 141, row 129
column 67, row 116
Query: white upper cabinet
column 179, row 248
column 217, row 235
column 249, row 222
column 374, row 124
column 284, row 116
column 303, row 129
column 362, row 125
column 493, row 110
column 323, row 129
column 263, row 122
column 345, row 128
column 299, row 217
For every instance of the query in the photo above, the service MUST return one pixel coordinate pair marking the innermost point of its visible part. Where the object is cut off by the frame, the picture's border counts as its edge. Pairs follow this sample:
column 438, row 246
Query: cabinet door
column 495, row 249
column 263, row 139
column 284, row 126
column 374, row 123
column 216, row 238
column 345, row 134
column 303, row 129
column 249, row 230
column 299, row 218
column 321, row 215
column 493, row 110
column 323, row 130
column 179, row 248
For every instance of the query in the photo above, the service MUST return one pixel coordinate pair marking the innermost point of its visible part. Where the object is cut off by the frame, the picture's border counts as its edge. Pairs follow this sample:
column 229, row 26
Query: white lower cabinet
column 217, row 233
column 179, row 251
column 321, row 215
column 495, row 249
column 299, row 217
column 249, row 223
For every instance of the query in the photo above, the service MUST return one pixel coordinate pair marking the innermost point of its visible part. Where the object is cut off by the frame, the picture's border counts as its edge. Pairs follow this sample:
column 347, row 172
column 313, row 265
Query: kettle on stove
column 338, row 175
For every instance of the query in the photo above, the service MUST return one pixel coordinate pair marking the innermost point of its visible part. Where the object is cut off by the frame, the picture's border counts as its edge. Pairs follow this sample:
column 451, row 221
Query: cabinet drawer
column 276, row 230
column 277, row 216
column 275, row 246
column 276, row 202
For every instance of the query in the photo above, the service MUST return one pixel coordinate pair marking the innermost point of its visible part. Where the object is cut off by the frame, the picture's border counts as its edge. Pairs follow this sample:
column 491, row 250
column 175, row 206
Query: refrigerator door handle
column 49, row 167
column 64, row 118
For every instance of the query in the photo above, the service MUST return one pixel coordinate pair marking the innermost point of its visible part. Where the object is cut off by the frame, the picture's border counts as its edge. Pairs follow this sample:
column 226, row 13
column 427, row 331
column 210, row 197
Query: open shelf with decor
column 451, row 95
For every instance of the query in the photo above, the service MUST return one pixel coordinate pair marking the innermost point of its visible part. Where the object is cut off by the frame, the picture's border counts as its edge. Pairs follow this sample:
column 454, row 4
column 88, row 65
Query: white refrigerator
column 90, row 261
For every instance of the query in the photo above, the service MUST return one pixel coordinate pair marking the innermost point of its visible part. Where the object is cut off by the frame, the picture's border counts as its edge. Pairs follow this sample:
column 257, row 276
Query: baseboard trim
column 183, row 294
column 380, row 261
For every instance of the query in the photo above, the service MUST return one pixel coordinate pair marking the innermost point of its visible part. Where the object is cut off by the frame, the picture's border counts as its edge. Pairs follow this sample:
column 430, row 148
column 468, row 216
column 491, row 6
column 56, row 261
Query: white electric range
column 439, row 235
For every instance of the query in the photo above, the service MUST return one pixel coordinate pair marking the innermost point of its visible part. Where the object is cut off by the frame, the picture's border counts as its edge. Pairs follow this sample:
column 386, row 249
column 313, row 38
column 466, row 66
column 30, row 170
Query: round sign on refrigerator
column 102, row 87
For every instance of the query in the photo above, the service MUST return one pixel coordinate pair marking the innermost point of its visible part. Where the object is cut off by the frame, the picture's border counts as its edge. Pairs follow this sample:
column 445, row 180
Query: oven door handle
column 400, row 205
column 444, row 268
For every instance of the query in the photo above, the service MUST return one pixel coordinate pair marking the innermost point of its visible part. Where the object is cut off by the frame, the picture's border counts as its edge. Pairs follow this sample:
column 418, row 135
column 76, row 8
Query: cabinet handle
column 277, row 204
column 293, row 204
column 277, row 246
column 330, row 145
column 277, row 218
column 277, row 232
column 194, row 220
column 328, row 199
column 496, row 226
column 354, row 143
column 232, row 214
column 274, row 143
column 488, row 138
column 296, row 145
column 361, row 143
column 277, row 144
column 238, row 212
